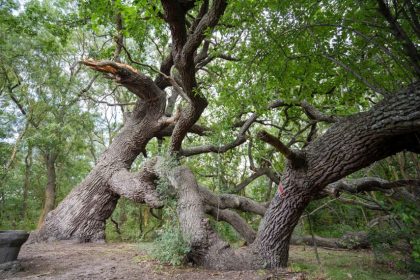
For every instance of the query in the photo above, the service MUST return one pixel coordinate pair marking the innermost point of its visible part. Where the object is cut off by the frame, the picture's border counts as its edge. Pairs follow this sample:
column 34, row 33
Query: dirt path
column 109, row 261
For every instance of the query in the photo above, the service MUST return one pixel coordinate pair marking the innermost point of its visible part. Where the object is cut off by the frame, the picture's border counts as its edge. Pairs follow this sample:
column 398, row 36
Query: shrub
column 170, row 246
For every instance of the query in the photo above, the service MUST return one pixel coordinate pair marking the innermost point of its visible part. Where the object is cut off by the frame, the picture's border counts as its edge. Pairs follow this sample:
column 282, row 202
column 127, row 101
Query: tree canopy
column 222, row 120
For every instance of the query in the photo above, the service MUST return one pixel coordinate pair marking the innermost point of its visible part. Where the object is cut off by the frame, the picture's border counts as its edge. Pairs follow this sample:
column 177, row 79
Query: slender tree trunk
column 26, row 183
column 49, row 199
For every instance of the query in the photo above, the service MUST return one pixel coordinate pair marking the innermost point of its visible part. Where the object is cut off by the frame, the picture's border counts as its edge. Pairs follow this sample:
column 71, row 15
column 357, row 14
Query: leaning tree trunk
column 81, row 215
column 349, row 145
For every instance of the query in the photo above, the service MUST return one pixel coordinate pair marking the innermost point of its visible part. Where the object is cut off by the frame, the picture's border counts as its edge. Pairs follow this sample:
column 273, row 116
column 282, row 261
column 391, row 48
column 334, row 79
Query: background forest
column 341, row 57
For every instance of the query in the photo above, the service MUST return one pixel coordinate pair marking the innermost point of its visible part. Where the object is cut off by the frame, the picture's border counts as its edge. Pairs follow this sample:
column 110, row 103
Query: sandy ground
column 111, row 261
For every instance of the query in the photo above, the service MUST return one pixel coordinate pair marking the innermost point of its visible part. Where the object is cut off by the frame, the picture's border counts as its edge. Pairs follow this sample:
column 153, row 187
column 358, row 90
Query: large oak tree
column 345, row 144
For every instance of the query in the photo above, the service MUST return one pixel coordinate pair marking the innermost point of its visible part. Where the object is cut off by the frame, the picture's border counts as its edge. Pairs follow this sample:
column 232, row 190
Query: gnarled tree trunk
column 81, row 215
column 349, row 145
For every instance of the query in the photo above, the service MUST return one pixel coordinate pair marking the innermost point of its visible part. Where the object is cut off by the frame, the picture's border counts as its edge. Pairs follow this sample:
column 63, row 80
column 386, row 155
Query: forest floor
column 126, row 261
column 60, row 260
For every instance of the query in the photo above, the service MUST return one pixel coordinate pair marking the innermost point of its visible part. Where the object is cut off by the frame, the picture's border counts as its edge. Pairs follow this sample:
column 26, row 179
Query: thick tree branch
column 259, row 172
column 138, row 187
column 162, row 80
column 195, row 129
column 351, row 240
column 369, row 206
column 393, row 188
column 370, row 184
column 203, row 62
column 240, row 139
column 184, row 48
column 232, row 201
column 209, row 20
column 349, row 145
column 315, row 114
column 201, row 13
column 129, row 77
column 311, row 111
column 203, row 54
column 296, row 159
column 118, row 38
column 356, row 141
column 235, row 220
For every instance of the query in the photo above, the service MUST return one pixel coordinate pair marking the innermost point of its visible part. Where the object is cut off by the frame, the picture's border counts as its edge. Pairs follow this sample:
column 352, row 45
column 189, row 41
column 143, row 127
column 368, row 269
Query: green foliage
column 226, row 232
column 342, row 265
column 395, row 247
column 163, row 186
column 171, row 245
column 333, row 54
column 40, row 84
column 416, row 249
column 335, row 220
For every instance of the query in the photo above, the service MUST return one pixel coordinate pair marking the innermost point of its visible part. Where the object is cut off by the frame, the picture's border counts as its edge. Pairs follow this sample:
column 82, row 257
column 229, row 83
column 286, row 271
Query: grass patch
column 335, row 264
column 342, row 265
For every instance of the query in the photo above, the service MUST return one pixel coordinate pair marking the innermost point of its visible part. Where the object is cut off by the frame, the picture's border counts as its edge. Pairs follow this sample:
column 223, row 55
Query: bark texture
column 349, row 145
column 81, row 215
column 207, row 248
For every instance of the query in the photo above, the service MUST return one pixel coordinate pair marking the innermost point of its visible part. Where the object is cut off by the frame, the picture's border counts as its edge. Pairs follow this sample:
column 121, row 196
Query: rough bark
column 207, row 249
column 137, row 186
column 183, row 52
column 231, row 201
column 349, row 145
column 81, row 215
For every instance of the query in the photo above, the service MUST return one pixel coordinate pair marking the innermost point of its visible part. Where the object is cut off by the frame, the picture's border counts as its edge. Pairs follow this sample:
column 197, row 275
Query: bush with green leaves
column 395, row 247
column 170, row 246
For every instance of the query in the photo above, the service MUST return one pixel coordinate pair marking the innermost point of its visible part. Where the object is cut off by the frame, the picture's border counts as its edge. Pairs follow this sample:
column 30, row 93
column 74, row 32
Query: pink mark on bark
column 281, row 189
